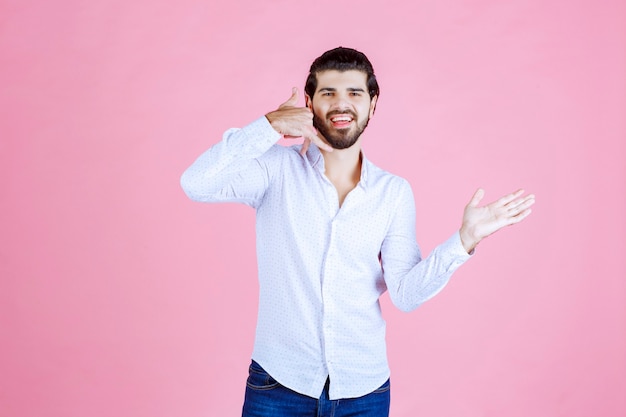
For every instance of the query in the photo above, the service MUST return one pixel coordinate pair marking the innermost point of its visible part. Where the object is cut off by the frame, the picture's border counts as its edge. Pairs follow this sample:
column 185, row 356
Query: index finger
column 509, row 197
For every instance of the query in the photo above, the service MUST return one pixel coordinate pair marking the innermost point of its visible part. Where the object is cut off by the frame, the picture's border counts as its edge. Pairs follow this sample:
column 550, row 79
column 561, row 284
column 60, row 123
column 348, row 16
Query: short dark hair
column 342, row 59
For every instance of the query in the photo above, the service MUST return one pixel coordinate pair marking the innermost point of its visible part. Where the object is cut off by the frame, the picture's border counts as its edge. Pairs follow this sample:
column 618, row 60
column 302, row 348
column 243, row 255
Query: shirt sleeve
column 229, row 171
column 410, row 279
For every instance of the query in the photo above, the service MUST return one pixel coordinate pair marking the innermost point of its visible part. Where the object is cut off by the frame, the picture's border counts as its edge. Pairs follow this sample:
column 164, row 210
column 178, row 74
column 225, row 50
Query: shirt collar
column 316, row 159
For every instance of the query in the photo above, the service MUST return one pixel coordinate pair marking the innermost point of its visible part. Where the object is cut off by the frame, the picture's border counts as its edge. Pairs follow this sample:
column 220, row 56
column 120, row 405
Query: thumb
column 293, row 100
column 478, row 195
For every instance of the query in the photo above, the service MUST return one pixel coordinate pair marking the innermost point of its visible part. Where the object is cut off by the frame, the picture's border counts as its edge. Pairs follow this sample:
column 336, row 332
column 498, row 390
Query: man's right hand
column 295, row 122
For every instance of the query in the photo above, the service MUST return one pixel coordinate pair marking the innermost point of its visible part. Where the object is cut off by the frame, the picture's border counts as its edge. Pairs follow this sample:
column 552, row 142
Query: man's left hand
column 480, row 222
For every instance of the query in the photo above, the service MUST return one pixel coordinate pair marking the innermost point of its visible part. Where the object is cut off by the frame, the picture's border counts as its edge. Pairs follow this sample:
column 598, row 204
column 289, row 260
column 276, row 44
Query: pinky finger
column 305, row 146
column 321, row 144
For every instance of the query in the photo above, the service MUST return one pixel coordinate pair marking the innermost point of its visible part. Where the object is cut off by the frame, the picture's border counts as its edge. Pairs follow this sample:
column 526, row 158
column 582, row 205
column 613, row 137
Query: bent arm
column 410, row 279
column 230, row 171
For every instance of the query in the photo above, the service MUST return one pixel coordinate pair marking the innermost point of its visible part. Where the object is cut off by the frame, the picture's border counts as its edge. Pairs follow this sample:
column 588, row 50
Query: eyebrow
column 351, row 89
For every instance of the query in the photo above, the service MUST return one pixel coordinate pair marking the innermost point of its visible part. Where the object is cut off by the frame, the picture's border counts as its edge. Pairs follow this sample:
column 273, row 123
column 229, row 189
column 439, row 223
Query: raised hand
column 480, row 222
column 295, row 122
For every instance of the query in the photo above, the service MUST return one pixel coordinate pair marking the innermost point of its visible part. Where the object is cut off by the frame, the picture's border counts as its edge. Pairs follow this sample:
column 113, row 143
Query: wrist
column 273, row 121
column 468, row 239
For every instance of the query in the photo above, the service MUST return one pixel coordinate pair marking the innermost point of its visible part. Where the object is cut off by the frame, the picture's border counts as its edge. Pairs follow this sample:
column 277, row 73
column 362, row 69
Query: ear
column 308, row 102
column 373, row 105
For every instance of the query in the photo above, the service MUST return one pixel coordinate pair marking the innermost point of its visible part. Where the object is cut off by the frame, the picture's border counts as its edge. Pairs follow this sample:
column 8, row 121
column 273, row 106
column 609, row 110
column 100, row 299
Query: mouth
column 341, row 121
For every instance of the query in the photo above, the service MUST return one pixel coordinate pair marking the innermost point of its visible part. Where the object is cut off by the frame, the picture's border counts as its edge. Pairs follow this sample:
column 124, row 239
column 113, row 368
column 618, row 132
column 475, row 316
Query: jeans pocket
column 260, row 380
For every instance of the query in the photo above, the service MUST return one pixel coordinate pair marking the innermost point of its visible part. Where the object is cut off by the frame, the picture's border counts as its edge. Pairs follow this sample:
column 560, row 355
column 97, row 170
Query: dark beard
column 340, row 138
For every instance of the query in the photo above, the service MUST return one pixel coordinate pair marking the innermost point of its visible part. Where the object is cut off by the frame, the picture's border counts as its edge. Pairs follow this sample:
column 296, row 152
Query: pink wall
column 119, row 297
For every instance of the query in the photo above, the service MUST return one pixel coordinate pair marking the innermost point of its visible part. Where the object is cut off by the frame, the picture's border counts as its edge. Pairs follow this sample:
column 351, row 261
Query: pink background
column 119, row 297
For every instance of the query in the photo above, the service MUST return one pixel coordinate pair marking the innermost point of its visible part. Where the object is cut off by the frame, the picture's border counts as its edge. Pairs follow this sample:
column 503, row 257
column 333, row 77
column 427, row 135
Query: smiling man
column 334, row 232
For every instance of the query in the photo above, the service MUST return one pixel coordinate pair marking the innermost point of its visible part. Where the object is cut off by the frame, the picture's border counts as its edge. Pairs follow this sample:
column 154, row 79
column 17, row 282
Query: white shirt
column 322, row 268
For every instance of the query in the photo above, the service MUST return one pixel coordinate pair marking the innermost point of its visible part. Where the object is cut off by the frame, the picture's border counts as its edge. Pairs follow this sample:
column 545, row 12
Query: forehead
column 341, row 79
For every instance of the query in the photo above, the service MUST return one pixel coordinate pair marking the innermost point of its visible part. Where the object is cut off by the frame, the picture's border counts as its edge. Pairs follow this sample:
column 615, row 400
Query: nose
column 341, row 102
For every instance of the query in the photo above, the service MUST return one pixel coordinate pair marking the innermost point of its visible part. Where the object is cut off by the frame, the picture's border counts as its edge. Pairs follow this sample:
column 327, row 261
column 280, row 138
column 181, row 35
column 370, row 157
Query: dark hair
column 342, row 59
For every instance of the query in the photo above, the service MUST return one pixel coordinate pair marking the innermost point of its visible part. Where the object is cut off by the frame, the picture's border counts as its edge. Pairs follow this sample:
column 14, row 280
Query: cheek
column 319, row 112
column 366, row 112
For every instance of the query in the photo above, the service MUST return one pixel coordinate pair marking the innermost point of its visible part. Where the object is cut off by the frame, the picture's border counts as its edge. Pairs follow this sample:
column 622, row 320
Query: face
column 341, row 106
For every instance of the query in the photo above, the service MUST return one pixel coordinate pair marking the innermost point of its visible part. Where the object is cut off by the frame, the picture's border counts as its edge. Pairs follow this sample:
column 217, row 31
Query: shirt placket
column 329, row 276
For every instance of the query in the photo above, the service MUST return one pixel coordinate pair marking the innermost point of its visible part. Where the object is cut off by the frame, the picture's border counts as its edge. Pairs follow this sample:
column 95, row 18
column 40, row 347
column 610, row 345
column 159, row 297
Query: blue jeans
column 267, row 398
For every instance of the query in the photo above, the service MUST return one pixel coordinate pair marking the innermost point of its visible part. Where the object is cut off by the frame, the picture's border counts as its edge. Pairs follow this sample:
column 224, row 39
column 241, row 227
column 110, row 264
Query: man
column 334, row 232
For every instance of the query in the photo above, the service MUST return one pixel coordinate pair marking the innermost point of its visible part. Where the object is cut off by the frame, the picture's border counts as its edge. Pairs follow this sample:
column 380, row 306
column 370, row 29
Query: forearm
column 232, row 160
column 428, row 276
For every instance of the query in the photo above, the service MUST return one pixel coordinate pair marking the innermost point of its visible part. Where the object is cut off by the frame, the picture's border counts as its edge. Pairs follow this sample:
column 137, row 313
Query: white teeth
column 341, row 119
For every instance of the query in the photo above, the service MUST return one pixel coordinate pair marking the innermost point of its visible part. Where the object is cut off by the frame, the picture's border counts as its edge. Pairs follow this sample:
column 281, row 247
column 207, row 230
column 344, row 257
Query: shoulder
column 380, row 178
column 389, row 190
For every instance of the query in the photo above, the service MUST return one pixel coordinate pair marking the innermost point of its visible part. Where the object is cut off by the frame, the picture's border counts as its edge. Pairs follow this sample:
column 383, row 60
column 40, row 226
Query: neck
column 343, row 165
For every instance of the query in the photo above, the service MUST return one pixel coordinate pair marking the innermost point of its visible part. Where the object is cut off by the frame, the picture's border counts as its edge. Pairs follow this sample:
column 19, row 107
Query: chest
column 318, row 214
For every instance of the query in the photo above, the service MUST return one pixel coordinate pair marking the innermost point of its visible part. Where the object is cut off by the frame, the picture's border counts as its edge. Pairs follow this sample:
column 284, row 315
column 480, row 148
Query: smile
column 339, row 119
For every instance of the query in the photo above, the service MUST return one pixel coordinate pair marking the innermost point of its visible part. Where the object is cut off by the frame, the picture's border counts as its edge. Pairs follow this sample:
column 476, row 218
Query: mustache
column 336, row 112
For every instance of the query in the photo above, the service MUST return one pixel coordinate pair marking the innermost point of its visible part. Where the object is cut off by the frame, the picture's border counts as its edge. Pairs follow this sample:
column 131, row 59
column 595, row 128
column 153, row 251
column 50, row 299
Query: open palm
column 481, row 221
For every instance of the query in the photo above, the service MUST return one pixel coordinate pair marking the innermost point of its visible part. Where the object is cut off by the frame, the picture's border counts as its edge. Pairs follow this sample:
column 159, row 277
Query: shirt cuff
column 453, row 247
